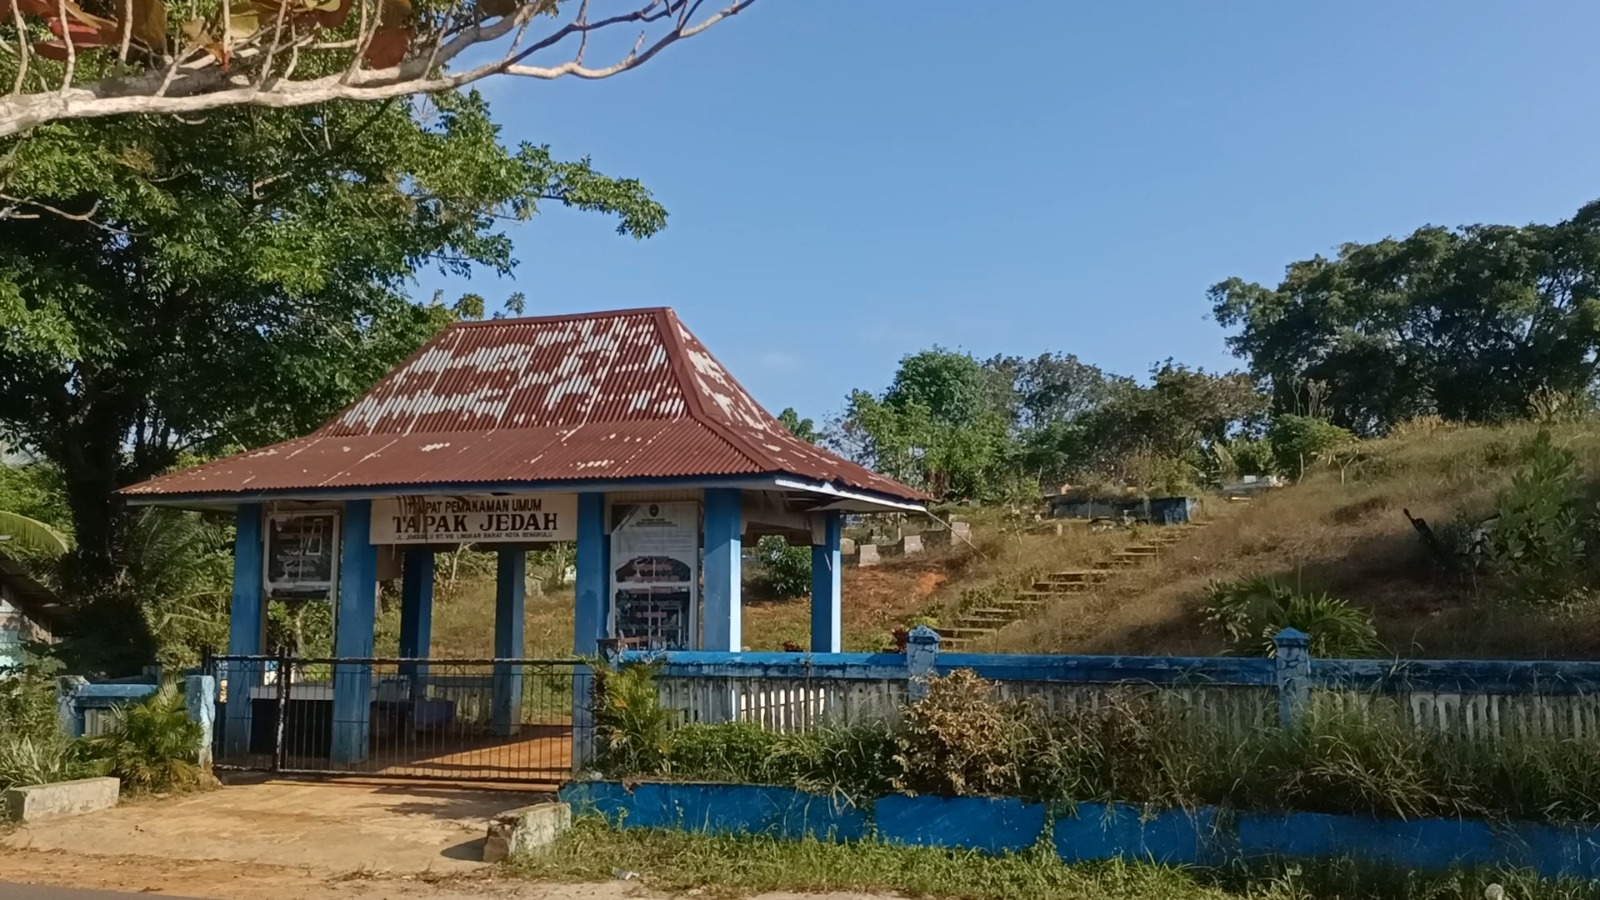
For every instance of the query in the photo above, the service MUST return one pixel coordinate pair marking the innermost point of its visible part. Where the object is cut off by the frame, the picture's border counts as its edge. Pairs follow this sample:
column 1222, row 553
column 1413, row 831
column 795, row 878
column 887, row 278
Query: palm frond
column 31, row 535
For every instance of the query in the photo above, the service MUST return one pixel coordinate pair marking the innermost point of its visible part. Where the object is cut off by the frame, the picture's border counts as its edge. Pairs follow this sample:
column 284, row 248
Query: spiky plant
column 151, row 745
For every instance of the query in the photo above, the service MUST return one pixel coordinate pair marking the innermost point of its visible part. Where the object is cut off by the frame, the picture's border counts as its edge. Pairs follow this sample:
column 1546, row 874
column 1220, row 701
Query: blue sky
column 850, row 181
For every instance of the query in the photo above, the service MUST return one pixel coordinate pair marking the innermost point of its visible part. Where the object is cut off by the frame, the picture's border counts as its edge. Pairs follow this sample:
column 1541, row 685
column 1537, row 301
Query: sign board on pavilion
column 475, row 519
column 302, row 555
column 655, row 575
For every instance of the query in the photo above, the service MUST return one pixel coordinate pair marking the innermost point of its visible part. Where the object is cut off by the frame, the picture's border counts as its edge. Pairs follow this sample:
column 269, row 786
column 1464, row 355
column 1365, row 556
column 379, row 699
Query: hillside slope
column 1348, row 536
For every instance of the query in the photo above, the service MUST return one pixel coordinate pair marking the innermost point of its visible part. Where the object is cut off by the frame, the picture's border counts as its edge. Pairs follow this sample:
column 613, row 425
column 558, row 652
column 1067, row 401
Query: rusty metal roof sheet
column 602, row 396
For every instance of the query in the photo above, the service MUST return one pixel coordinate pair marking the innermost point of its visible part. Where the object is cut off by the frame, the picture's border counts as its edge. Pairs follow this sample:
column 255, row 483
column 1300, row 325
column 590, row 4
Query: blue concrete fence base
column 1095, row 831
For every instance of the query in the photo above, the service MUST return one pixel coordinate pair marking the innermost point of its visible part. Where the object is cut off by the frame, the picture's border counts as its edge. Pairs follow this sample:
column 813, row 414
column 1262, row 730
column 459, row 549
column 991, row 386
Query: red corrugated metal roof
column 602, row 396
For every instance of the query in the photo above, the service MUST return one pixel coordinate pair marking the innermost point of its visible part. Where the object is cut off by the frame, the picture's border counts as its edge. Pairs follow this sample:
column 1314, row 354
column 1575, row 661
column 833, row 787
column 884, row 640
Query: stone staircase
column 1057, row 587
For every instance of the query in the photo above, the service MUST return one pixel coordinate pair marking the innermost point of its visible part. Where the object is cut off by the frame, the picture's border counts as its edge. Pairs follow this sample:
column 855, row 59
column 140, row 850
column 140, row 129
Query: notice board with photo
column 655, row 575
column 302, row 555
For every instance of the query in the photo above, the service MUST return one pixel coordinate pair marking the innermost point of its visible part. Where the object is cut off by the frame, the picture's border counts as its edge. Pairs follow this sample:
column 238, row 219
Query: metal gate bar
column 470, row 720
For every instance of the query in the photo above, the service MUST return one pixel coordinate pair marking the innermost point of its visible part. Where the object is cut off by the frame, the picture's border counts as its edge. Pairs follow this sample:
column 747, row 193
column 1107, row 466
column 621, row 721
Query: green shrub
column 631, row 727
column 854, row 762
column 32, row 748
column 1243, row 456
column 1249, row 612
column 959, row 740
column 1129, row 747
column 151, row 745
column 731, row 751
column 1298, row 442
column 785, row 569
column 28, row 697
column 1537, row 544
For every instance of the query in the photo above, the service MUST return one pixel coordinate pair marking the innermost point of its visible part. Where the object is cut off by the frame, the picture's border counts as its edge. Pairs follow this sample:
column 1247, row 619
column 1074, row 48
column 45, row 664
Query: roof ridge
column 562, row 317
column 701, row 412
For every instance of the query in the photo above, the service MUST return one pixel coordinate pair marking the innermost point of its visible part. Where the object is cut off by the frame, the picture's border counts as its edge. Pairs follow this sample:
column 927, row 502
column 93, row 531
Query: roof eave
column 213, row 501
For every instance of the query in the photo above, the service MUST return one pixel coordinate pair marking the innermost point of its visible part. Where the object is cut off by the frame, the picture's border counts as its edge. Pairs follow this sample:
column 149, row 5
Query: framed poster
column 655, row 575
column 302, row 555
column 475, row 519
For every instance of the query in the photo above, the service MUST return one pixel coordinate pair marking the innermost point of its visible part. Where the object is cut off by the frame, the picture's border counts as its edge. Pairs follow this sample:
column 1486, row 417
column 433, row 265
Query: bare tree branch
column 22, row 48
column 12, row 210
column 198, row 78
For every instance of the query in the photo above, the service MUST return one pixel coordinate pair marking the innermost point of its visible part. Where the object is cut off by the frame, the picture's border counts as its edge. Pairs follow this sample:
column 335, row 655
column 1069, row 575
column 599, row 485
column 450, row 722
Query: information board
column 302, row 553
column 475, row 519
column 655, row 575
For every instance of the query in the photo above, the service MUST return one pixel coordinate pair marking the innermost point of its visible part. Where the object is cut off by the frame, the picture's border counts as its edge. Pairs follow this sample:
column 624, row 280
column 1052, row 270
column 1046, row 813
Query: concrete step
column 1076, row 575
column 983, row 625
column 1050, row 598
column 1060, row 587
column 992, row 612
column 997, row 619
column 959, row 633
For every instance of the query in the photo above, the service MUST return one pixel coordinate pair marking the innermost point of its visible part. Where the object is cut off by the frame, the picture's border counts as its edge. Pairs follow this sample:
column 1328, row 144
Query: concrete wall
column 1095, row 831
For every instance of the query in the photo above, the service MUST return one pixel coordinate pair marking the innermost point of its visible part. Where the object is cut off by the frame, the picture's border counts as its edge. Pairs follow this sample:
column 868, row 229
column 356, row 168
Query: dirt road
column 277, row 841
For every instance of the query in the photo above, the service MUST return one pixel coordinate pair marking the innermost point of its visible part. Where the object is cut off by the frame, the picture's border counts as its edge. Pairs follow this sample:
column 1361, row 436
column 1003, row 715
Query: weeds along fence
column 1464, row 699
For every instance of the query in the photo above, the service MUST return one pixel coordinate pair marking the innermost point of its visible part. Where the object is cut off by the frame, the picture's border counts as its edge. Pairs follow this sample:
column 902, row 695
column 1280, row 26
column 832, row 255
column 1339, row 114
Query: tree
column 1058, row 387
column 804, row 429
column 1465, row 323
column 1179, row 413
column 75, row 59
column 242, row 278
column 936, row 427
column 953, row 387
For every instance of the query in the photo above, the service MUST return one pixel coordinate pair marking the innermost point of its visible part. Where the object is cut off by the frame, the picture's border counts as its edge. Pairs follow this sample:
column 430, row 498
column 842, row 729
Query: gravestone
column 847, row 547
column 911, row 544
column 960, row 530
column 867, row 555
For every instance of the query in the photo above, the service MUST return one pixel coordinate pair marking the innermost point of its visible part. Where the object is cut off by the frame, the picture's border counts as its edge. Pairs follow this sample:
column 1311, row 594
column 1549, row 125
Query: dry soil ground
column 284, row 840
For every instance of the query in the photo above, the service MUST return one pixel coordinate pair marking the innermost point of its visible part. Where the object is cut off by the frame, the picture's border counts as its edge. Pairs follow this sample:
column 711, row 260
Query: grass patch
column 1345, row 532
column 741, row 865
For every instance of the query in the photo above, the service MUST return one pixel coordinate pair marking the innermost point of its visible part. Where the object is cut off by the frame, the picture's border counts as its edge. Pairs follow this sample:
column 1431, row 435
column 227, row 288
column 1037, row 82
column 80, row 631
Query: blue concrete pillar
column 1291, row 649
column 826, row 602
column 592, row 576
column 246, row 627
column 416, row 614
column 510, row 592
column 922, row 658
column 723, row 612
column 352, row 634
column 200, row 699
column 592, row 600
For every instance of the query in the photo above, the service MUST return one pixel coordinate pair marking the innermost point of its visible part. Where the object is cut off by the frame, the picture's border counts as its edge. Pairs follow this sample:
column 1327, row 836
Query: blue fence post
column 200, row 698
column 1294, row 675
column 922, row 653
column 68, row 715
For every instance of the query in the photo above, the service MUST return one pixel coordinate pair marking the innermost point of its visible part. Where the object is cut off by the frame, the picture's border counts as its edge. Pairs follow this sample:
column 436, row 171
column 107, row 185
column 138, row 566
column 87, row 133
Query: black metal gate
column 465, row 720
